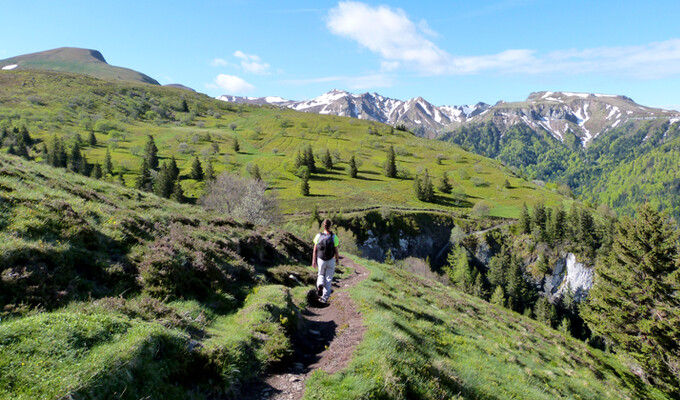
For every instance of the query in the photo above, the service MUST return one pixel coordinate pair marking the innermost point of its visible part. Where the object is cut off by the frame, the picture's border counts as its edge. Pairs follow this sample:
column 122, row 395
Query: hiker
column 324, row 258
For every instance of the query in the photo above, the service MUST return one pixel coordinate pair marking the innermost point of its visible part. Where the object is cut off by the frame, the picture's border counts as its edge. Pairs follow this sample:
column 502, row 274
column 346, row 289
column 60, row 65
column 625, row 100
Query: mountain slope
column 425, row 340
column 123, row 114
column 75, row 60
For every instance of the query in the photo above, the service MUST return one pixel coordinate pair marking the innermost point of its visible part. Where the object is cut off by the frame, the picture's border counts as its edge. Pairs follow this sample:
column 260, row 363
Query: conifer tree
column 498, row 266
column 236, row 146
column 460, row 271
column 518, row 291
column 97, row 171
column 85, row 168
column 165, row 183
column 498, row 297
column 391, row 163
column 196, row 170
column 92, row 139
column 44, row 151
column 177, row 193
column 635, row 298
column 478, row 289
column 545, row 312
column 524, row 223
column 418, row 188
column 427, row 188
column 184, row 107
column 210, row 172
column 353, row 171
column 121, row 178
column 299, row 160
column 538, row 222
column 151, row 153
column 309, row 160
column 11, row 150
column 75, row 158
column 304, row 175
column 108, row 164
column 174, row 169
column 144, row 181
column 328, row 160
column 24, row 138
column 22, row 151
column 444, row 184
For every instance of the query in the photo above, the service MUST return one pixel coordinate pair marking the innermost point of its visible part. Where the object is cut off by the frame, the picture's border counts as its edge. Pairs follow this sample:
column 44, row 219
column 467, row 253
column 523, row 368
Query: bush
column 242, row 198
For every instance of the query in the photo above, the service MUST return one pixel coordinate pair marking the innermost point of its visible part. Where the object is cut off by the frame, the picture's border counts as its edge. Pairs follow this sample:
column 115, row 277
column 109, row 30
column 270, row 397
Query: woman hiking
column 324, row 258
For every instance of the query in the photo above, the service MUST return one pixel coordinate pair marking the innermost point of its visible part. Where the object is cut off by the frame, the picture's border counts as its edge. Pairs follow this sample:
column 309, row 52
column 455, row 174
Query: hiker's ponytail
column 326, row 225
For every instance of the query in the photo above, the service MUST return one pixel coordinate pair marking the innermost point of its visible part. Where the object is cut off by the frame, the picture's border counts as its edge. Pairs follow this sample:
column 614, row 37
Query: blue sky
column 448, row 52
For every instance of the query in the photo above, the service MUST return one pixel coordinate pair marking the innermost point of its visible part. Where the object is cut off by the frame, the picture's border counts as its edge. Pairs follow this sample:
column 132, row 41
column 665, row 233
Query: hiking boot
column 319, row 291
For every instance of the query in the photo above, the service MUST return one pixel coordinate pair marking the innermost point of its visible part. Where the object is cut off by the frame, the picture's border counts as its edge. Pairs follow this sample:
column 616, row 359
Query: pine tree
column 328, row 160
column 418, row 188
column 144, row 181
column 299, row 160
column 444, row 184
column 184, row 107
column 209, row 172
column 498, row 297
column 538, row 222
column 459, row 270
column 92, row 139
column 353, row 171
column 24, row 138
column 11, row 150
column 164, row 184
column 236, row 146
column 121, row 178
column 524, row 223
column 196, row 170
column 518, row 291
column 22, row 151
column 151, row 153
column 545, row 312
column 304, row 185
column 108, row 164
column 177, row 193
column 75, row 159
column 498, row 267
column 97, row 171
column 478, row 289
column 309, row 160
column 391, row 163
column 427, row 188
column 635, row 298
column 174, row 169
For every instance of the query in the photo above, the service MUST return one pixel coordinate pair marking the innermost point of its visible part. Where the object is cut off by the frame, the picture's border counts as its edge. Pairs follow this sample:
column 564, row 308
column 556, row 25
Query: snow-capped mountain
column 417, row 114
column 586, row 115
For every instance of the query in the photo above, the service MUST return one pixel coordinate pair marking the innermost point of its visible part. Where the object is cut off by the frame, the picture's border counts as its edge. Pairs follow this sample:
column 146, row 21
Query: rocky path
column 326, row 342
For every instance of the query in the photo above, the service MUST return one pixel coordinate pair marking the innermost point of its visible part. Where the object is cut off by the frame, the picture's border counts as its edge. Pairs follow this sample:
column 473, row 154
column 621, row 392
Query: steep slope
column 123, row 114
column 75, row 60
column 427, row 341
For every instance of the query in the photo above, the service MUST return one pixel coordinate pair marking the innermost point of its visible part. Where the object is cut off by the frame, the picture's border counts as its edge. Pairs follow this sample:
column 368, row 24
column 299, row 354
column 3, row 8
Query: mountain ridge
column 586, row 115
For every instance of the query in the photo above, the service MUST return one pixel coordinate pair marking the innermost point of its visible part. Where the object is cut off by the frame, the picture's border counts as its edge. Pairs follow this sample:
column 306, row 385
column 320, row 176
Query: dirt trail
column 326, row 342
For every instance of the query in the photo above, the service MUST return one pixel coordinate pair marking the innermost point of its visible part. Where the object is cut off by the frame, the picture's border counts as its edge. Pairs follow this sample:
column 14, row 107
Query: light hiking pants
column 325, row 277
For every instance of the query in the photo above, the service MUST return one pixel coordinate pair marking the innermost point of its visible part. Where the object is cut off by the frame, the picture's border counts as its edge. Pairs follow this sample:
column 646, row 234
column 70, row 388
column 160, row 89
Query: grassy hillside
column 123, row 114
column 80, row 61
column 428, row 341
column 106, row 290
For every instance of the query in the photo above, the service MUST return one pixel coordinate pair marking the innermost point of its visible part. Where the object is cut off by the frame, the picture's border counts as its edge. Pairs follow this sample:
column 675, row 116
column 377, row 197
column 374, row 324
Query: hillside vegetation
column 427, row 341
column 624, row 167
column 188, row 125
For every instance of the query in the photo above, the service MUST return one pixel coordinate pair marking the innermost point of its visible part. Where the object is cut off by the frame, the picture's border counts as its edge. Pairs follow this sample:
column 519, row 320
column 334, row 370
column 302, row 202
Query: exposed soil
column 326, row 342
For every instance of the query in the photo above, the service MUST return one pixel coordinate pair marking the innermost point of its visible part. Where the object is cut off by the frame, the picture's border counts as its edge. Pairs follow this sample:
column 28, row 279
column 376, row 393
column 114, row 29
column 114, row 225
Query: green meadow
column 123, row 114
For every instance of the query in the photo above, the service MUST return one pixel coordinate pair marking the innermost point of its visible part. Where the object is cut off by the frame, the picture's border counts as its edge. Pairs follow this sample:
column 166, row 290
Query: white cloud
column 219, row 62
column 232, row 84
column 252, row 63
column 400, row 42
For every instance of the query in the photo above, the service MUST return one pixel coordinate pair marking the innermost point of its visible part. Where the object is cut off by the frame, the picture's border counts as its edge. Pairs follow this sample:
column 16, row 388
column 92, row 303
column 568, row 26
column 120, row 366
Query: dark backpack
column 325, row 247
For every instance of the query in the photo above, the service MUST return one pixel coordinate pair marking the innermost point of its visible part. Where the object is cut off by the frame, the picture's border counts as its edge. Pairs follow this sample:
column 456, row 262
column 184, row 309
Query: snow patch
column 615, row 123
column 572, row 94
column 614, row 110
column 546, row 94
column 9, row 67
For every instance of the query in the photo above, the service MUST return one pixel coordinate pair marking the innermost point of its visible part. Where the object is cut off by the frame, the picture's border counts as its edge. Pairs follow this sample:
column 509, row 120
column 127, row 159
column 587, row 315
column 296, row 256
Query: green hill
column 75, row 60
column 188, row 125
column 111, row 292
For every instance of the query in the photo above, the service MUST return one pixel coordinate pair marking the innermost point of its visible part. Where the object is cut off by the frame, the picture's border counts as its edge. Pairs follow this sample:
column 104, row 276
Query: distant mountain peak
column 75, row 60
